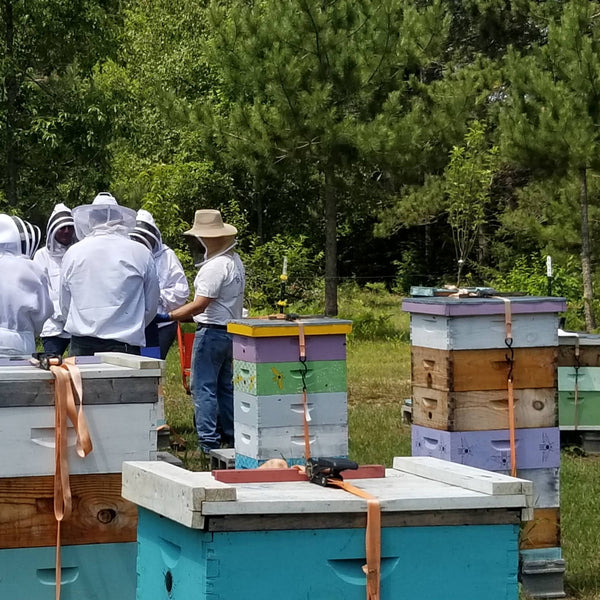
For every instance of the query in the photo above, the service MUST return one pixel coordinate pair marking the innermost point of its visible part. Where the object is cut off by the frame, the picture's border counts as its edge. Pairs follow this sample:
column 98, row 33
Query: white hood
column 145, row 227
column 18, row 236
column 104, row 215
column 61, row 217
column 10, row 240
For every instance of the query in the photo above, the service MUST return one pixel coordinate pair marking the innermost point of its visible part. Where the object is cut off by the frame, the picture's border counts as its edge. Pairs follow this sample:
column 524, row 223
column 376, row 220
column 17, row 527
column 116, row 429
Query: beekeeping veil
column 103, row 216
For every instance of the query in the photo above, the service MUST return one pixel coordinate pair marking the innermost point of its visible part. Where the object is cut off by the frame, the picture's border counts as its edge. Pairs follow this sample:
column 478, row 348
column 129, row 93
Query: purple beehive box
column 287, row 349
column 462, row 307
column 536, row 448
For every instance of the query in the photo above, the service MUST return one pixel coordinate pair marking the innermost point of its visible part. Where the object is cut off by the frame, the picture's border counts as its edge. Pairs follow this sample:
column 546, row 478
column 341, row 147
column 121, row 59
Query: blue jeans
column 212, row 386
column 55, row 345
column 166, row 337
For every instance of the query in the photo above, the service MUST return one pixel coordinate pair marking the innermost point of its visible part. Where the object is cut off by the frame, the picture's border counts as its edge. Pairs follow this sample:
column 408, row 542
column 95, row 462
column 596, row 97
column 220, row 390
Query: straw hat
column 209, row 223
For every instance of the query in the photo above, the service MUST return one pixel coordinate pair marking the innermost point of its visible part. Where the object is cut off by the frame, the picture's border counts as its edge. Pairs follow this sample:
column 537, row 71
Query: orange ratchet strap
column 305, row 413
column 509, row 380
column 67, row 380
column 577, row 365
column 327, row 472
column 372, row 537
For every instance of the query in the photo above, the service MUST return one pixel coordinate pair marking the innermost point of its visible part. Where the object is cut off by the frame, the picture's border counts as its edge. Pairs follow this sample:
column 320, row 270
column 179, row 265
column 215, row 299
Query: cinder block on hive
column 591, row 442
column 222, row 458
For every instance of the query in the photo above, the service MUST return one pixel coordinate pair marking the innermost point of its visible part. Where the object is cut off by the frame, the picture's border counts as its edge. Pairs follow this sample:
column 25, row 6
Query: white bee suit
column 24, row 300
column 49, row 259
column 174, row 288
column 109, row 286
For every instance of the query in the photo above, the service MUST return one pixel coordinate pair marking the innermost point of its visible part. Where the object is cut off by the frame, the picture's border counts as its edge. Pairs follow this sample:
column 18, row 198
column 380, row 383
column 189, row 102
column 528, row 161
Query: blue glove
column 162, row 318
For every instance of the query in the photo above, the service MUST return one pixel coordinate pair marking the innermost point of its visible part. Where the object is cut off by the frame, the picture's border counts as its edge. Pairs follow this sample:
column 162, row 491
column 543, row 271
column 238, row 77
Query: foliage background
column 332, row 137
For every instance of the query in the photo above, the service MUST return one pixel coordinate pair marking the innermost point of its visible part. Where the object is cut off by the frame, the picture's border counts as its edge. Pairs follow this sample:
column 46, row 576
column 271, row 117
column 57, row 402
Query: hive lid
column 415, row 484
column 462, row 307
column 570, row 338
column 283, row 327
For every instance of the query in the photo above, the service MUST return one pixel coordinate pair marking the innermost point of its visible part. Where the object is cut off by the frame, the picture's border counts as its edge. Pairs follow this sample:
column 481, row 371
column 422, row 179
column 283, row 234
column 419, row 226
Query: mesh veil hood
column 104, row 215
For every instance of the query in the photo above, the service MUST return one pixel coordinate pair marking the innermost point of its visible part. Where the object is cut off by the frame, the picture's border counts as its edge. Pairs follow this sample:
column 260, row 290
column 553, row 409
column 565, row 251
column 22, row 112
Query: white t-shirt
column 221, row 278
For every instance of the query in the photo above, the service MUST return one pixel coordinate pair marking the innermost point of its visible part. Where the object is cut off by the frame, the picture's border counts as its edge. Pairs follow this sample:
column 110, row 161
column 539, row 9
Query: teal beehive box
column 201, row 538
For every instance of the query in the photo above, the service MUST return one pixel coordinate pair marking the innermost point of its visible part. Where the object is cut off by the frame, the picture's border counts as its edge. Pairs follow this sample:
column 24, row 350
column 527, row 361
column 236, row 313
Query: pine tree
column 305, row 97
column 551, row 115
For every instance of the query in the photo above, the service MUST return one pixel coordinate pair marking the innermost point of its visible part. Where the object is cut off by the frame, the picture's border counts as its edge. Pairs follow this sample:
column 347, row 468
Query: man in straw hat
column 219, row 297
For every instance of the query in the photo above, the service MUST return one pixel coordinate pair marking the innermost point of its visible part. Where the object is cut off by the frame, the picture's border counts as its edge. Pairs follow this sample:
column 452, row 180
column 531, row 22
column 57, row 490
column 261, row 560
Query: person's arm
column 191, row 309
column 64, row 292
column 175, row 289
column 151, row 291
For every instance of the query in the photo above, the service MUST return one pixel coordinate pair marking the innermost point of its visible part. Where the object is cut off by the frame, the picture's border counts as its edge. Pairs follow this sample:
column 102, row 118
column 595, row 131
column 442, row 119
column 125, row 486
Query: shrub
column 264, row 264
column 528, row 276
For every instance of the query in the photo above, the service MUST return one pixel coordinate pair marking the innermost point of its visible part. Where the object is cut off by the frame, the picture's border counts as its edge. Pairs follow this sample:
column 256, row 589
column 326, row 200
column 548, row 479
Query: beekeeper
column 108, row 287
column 218, row 299
column 24, row 300
column 60, row 235
column 174, row 288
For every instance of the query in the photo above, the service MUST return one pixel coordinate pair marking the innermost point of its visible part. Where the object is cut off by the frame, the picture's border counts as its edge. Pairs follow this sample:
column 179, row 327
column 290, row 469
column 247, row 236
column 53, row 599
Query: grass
column 378, row 380
column 580, row 523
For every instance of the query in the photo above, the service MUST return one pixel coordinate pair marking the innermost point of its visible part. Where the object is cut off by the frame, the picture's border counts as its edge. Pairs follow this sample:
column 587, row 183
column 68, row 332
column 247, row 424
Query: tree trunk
column 259, row 214
column 331, row 304
column 586, row 263
column 11, row 107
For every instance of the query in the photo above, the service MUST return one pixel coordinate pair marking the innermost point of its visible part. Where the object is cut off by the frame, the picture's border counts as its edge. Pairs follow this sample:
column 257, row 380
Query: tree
column 468, row 179
column 304, row 97
column 52, row 145
column 551, row 117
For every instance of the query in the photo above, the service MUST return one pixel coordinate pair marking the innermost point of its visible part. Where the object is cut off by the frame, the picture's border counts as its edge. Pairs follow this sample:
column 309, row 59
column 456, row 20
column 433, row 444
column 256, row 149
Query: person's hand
column 162, row 318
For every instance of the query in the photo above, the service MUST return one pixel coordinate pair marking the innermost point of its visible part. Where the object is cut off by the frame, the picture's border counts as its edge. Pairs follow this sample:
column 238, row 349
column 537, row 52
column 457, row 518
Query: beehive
column 461, row 360
column 199, row 537
column 122, row 405
column 269, row 379
column 579, row 367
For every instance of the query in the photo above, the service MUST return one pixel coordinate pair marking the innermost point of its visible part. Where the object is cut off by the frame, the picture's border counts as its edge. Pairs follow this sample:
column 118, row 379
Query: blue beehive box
column 200, row 538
